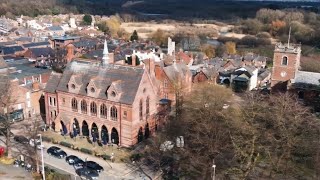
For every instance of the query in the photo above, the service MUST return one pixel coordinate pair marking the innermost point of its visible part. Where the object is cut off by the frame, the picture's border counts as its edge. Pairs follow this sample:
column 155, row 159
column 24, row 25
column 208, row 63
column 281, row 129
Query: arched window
column 74, row 104
column 140, row 109
column 103, row 111
column 84, row 106
column 147, row 106
column 284, row 61
column 93, row 108
column 113, row 113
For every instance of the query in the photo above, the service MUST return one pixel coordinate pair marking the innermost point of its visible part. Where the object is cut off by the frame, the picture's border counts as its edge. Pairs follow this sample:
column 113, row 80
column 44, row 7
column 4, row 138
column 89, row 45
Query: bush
column 135, row 157
column 87, row 151
column 65, row 144
column 55, row 142
column 47, row 139
column 106, row 157
column 263, row 35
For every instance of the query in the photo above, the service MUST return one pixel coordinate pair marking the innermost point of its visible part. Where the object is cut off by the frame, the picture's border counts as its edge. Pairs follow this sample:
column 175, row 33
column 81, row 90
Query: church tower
column 286, row 62
column 105, row 57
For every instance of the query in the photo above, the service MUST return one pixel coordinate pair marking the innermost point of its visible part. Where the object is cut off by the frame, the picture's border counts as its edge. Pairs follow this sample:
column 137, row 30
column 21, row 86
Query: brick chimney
column 35, row 86
column 70, row 52
column 133, row 58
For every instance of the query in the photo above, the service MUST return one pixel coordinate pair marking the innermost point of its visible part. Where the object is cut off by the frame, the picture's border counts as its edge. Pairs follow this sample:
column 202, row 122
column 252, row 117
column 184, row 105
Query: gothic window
column 147, row 106
column 83, row 106
column 74, row 104
column 103, row 111
column 93, row 108
column 113, row 113
column 140, row 109
column 284, row 61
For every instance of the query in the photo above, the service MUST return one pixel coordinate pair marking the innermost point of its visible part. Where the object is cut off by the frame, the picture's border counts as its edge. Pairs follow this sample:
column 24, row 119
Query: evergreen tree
column 134, row 36
column 87, row 19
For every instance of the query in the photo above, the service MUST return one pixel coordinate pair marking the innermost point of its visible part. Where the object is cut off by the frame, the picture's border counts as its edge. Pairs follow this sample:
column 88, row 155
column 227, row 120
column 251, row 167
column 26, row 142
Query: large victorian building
column 111, row 102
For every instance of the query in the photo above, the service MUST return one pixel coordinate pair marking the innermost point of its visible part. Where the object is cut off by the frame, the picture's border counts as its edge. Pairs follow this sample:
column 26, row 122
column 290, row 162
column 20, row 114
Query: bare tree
column 7, row 100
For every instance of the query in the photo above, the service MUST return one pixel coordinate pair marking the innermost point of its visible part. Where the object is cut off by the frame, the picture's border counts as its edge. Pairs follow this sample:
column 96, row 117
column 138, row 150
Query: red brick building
column 286, row 62
column 113, row 103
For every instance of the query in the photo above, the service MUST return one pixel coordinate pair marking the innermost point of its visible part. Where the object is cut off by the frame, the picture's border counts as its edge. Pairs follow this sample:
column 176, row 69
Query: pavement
column 9, row 172
column 112, row 171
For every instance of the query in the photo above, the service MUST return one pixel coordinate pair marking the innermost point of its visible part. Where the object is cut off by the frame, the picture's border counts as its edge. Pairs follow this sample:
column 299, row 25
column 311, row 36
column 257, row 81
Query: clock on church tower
column 286, row 61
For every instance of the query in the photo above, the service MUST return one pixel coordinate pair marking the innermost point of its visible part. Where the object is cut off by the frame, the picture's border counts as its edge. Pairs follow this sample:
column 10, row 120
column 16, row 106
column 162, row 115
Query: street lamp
column 214, row 170
column 43, row 174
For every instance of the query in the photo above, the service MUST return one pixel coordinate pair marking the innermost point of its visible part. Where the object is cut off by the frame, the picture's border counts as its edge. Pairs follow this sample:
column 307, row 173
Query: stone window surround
column 98, row 105
column 282, row 60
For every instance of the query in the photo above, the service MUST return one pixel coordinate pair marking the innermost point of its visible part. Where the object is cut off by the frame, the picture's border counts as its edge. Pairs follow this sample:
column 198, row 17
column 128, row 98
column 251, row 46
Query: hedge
column 87, row 151
column 65, row 144
column 106, row 157
column 47, row 139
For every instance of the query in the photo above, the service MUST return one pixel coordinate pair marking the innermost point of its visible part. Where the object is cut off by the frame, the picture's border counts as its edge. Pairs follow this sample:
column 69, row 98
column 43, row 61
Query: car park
column 87, row 173
column 56, row 152
column 74, row 160
column 21, row 139
column 93, row 166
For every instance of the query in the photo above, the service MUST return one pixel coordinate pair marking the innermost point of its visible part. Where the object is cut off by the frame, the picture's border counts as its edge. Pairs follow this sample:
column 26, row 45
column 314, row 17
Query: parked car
column 93, row 166
column 56, row 152
column 73, row 160
column 87, row 173
column 21, row 139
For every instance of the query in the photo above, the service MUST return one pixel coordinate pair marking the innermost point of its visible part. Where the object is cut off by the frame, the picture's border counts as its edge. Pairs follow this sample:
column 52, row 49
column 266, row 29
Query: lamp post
column 214, row 171
column 43, row 173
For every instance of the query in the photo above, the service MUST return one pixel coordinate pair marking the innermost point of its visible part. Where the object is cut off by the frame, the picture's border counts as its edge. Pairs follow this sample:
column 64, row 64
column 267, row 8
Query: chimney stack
column 134, row 60
column 35, row 86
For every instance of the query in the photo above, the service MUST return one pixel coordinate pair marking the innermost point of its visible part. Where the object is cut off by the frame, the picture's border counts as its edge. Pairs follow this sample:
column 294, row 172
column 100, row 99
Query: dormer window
column 92, row 90
column 113, row 94
column 284, row 61
column 73, row 86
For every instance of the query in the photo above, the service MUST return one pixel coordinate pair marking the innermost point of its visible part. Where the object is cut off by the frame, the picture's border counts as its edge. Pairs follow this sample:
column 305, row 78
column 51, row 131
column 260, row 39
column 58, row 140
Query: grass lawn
column 80, row 142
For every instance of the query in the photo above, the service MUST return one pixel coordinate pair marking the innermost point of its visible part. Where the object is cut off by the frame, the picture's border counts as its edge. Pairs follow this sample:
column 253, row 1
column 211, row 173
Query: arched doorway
column 53, row 126
column 104, row 135
column 146, row 131
column 75, row 126
column 85, row 128
column 94, row 131
column 114, row 136
column 140, row 135
column 64, row 128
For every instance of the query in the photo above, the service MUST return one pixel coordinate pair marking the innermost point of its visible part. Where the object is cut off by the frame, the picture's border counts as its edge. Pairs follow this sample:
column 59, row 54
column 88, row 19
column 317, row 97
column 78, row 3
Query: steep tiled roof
column 85, row 44
column 127, row 79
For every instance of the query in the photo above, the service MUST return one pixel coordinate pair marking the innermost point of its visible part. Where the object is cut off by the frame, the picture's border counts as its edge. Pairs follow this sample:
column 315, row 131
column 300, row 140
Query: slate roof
column 42, row 51
column 85, row 44
column 125, row 79
column 11, row 49
column 26, row 71
column 262, row 75
column 307, row 78
column 55, row 28
column 24, row 39
column 176, row 71
column 36, row 44
column 53, row 82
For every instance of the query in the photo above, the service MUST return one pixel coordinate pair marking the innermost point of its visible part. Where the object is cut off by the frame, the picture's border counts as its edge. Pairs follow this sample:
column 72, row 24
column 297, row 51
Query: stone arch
column 146, row 131
column 95, row 131
column 53, row 126
column 85, row 128
column 140, row 135
column 104, row 135
column 75, row 126
column 63, row 127
column 114, row 136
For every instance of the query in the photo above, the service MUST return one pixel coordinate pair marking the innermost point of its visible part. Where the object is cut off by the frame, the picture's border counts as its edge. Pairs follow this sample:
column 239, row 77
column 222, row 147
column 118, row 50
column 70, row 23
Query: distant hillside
column 173, row 9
